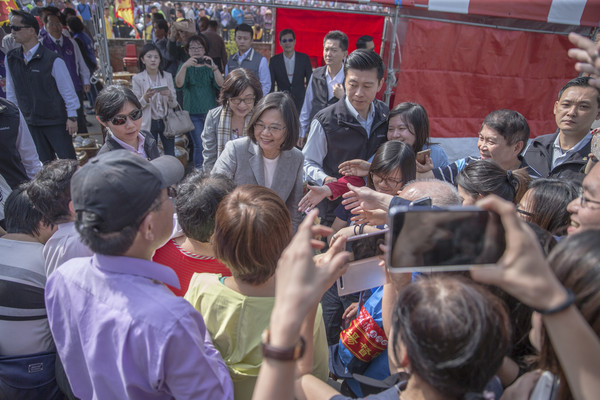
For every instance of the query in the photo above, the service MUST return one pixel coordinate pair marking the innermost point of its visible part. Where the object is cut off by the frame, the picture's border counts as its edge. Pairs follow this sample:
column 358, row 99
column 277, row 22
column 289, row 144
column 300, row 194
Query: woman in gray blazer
column 267, row 156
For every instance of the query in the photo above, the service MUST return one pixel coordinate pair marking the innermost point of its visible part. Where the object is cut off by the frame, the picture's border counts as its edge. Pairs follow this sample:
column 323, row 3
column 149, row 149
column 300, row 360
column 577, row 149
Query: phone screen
column 365, row 245
column 450, row 239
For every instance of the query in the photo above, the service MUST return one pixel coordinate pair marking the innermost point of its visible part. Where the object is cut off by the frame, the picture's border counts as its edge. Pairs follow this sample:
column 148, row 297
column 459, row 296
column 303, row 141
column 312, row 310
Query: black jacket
column 150, row 145
column 302, row 73
column 539, row 158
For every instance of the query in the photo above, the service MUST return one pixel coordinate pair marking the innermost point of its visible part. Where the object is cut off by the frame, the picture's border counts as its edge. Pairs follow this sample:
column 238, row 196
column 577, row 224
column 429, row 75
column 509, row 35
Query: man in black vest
column 247, row 57
column 37, row 80
column 19, row 161
column 351, row 128
column 326, row 83
column 290, row 70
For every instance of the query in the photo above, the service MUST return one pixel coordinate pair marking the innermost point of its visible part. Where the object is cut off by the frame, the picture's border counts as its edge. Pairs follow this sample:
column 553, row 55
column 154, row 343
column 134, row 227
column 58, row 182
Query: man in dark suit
column 290, row 70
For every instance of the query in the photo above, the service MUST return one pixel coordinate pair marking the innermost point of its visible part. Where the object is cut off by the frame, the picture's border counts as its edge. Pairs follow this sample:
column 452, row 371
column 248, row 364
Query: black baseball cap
column 118, row 187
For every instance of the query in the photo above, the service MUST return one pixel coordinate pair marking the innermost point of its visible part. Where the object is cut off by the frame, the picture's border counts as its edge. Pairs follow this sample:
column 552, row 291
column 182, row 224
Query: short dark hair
column 213, row 24
column 75, row 24
column 283, row 103
column 582, row 81
column 364, row 60
column 252, row 228
column 287, row 32
column 244, row 28
column 414, row 115
column 361, row 42
column 148, row 47
column 548, row 200
column 158, row 17
column 27, row 19
column 471, row 323
column 161, row 24
column 390, row 156
column 200, row 38
column 339, row 36
column 50, row 190
column 198, row 198
column 48, row 15
column 20, row 215
column 112, row 98
column 236, row 82
column 510, row 124
column 484, row 177
column 110, row 243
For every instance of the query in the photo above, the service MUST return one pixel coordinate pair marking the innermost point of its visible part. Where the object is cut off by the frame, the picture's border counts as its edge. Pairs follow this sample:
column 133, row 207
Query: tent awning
column 568, row 12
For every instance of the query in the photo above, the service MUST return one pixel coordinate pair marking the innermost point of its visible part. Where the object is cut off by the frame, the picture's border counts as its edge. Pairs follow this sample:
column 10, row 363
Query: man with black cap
column 119, row 331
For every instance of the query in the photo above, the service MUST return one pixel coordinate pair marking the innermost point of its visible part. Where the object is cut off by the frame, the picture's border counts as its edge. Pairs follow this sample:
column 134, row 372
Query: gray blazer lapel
column 282, row 179
column 256, row 163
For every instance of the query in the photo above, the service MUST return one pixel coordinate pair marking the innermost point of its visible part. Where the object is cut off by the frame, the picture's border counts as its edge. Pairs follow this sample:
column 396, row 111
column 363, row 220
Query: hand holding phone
column 422, row 156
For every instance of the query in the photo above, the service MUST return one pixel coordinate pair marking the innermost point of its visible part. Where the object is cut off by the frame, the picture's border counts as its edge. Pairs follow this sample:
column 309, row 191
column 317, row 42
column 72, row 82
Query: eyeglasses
column 584, row 201
column 523, row 212
column 287, row 40
column 274, row 129
column 196, row 48
column 387, row 181
column 121, row 119
column 18, row 28
column 237, row 101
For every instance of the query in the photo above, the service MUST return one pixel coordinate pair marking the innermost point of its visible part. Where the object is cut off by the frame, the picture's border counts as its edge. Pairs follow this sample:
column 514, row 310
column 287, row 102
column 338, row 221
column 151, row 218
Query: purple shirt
column 122, row 334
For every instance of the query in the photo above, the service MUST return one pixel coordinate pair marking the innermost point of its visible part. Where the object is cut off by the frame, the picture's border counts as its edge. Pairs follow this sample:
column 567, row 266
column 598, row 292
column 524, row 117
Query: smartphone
column 200, row 61
column 546, row 387
column 422, row 202
column 363, row 270
column 421, row 155
column 443, row 239
column 159, row 88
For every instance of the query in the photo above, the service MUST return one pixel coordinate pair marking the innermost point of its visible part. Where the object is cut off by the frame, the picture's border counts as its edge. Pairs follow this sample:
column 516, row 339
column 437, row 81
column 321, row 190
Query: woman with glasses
column 545, row 204
column 200, row 80
column 120, row 112
column 154, row 89
column 267, row 156
column 239, row 94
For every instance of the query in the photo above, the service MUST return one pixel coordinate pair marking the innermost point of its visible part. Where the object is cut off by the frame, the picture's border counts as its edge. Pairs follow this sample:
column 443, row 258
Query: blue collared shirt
column 559, row 155
column 122, row 334
column 264, row 75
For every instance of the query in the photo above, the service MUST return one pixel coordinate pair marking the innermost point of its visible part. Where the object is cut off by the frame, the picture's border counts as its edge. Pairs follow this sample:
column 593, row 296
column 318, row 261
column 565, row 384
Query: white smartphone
column 363, row 270
column 546, row 387
column 159, row 88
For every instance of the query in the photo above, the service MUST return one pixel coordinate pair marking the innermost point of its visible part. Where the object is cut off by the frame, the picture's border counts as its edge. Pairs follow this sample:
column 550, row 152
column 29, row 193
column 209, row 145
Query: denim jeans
column 333, row 308
column 196, row 137
column 157, row 128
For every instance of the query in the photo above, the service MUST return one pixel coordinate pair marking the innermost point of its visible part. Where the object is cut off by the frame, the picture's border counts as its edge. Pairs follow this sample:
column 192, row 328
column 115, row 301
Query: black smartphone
column 200, row 60
column 363, row 270
column 443, row 239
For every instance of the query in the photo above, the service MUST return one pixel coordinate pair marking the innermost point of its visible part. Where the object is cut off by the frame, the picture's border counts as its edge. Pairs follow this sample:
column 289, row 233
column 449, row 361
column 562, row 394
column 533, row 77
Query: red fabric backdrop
column 311, row 26
column 461, row 73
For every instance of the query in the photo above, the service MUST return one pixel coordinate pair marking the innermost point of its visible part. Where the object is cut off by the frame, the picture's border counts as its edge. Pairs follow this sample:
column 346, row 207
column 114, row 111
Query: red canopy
column 568, row 12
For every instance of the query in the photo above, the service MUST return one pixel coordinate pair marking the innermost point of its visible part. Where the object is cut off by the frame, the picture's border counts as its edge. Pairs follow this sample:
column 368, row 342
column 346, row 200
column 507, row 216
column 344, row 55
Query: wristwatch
column 286, row 354
column 74, row 119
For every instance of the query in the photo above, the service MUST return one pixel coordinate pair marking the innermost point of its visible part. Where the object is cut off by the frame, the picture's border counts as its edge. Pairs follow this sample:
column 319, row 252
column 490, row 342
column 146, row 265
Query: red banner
column 310, row 27
column 124, row 10
column 460, row 73
column 364, row 338
column 5, row 7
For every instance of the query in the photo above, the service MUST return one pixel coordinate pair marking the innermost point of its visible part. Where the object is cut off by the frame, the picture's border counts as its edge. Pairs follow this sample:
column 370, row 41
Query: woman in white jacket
column 155, row 90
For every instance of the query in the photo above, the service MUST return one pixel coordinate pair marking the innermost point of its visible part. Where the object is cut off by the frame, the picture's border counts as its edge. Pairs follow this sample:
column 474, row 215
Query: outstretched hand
column 314, row 196
column 356, row 167
column 522, row 271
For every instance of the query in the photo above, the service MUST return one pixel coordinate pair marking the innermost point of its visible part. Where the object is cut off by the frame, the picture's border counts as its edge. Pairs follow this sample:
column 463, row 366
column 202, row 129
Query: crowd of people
column 136, row 275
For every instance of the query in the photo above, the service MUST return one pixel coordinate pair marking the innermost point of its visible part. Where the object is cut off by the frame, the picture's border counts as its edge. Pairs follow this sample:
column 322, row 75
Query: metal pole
column 390, row 81
column 104, row 69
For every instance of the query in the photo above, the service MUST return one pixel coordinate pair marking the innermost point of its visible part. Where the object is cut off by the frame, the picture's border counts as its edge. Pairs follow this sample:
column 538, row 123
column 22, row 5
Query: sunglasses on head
column 17, row 28
column 121, row 119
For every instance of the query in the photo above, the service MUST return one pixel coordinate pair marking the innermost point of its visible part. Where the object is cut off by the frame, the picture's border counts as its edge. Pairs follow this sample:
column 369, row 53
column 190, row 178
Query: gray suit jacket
column 242, row 161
